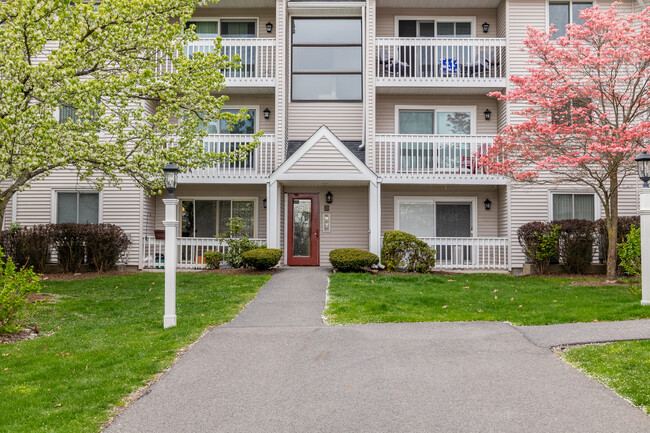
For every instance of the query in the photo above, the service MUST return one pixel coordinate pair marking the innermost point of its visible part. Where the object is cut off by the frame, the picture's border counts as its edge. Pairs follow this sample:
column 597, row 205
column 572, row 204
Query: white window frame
column 434, row 108
column 255, row 108
column 55, row 202
column 436, row 19
column 551, row 193
column 219, row 20
column 211, row 198
column 472, row 200
column 571, row 21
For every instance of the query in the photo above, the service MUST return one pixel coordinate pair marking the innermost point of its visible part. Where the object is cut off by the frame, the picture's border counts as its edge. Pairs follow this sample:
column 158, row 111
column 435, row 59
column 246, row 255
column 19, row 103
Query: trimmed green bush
column 404, row 250
column 539, row 241
column 352, row 259
column 629, row 251
column 238, row 242
column 262, row 258
column 70, row 239
column 212, row 259
column 15, row 286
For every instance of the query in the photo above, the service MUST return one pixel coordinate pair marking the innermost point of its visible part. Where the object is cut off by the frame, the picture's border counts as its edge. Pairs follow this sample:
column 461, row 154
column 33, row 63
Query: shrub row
column 571, row 241
column 75, row 244
column 352, row 259
column 262, row 258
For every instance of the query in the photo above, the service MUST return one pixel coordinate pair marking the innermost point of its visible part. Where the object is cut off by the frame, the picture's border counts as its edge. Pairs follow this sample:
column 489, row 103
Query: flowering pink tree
column 587, row 109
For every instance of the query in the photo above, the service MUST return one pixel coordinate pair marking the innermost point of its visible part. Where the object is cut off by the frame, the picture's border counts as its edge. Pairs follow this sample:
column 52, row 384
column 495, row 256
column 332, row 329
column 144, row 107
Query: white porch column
column 171, row 230
column 273, row 215
column 374, row 218
column 645, row 244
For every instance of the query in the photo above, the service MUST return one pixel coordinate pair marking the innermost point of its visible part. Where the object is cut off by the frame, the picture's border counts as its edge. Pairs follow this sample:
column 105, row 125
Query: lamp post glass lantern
column 643, row 167
column 170, row 172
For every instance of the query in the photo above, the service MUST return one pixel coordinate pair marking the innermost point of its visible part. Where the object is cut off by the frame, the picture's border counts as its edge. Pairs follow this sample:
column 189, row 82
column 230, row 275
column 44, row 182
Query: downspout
column 363, row 76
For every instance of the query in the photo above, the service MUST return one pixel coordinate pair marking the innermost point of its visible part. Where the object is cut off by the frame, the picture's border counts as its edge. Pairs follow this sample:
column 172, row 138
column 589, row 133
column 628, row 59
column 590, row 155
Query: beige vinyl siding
column 263, row 16
column 323, row 157
column 487, row 220
column 214, row 191
column 344, row 119
column 385, row 115
column 348, row 217
column 501, row 21
column 628, row 197
column 386, row 18
column 117, row 206
column 504, row 214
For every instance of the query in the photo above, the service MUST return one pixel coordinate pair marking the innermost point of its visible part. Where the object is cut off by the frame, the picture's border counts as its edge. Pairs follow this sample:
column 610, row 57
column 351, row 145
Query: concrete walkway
column 278, row 368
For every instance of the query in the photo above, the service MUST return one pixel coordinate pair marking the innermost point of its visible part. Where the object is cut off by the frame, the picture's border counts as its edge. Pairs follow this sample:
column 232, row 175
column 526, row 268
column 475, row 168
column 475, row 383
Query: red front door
column 303, row 237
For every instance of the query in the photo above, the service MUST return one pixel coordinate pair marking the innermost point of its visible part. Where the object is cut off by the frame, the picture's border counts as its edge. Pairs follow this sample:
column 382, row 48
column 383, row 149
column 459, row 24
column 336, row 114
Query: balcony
column 257, row 60
column 255, row 169
column 452, row 159
column 477, row 63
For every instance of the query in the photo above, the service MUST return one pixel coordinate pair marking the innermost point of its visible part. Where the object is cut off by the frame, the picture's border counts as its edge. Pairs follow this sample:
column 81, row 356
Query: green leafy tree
column 128, row 99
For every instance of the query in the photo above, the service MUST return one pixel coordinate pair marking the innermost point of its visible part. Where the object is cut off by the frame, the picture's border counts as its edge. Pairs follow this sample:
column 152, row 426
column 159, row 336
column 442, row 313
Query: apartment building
column 374, row 114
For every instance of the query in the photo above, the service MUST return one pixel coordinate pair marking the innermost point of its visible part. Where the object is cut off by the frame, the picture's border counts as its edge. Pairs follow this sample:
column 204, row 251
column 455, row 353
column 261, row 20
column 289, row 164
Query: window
column 67, row 112
column 229, row 144
column 207, row 218
column 435, row 216
column 440, row 28
column 570, row 206
column 77, row 207
column 424, row 154
column 326, row 59
column 561, row 14
column 205, row 29
column 566, row 115
column 246, row 126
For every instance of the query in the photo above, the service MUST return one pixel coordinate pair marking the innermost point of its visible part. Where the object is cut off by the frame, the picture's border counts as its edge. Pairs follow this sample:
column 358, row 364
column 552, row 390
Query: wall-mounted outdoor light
column 269, row 27
column 486, row 27
column 488, row 114
column 487, row 203
column 329, row 197
column 264, row 203
column 267, row 113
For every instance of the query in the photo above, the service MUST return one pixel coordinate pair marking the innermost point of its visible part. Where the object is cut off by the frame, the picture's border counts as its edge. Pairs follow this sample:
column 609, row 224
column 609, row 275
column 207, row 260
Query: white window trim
column 551, row 193
column 255, row 108
column 181, row 199
column 436, row 19
column 548, row 2
column 434, row 108
column 398, row 200
column 55, row 202
column 219, row 20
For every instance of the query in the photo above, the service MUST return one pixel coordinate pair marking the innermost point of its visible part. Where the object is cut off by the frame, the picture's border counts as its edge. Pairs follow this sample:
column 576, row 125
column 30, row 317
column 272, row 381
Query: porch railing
column 259, row 164
column 190, row 251
column 257, row 66
column 428, row 61
column 411, row 155
column 470, row 253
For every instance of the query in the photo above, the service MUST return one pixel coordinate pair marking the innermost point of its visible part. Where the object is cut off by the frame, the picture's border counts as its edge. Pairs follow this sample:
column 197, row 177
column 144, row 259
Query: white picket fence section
column 470, row 253
column 190, row 251
column 259, row 164
column 418, row 155
column 257, row 65
column 430, row 61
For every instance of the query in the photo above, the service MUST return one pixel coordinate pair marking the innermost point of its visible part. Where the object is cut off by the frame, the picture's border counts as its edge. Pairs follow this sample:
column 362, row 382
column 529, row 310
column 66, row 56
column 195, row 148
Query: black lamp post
column 486, row 27
column 329, row 197
column 170, row 178
column 488, row 114
column 643, row 166
column 267, row 113
column 487, row 203
column 269, row 27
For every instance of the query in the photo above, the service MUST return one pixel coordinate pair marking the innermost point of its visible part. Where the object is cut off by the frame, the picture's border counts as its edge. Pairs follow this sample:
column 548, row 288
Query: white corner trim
column 324, row 132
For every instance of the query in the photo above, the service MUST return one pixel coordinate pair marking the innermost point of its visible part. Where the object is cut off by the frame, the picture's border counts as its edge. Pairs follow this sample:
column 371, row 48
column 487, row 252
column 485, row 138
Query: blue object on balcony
column 448, row 67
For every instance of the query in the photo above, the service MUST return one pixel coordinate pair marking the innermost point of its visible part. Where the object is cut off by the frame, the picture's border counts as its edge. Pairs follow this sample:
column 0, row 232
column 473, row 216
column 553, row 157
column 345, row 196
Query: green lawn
column 366, row 298
column 107, row 341
column 624, row 367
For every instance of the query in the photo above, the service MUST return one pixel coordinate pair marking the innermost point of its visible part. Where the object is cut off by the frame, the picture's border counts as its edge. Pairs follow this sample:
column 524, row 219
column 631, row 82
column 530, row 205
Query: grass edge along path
column 107, row 341
column 623, row 367
column 393, row 298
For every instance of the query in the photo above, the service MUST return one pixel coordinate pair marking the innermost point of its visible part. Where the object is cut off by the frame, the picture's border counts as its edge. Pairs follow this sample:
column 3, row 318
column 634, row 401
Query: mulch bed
column 25, row 334
column 238, row 271
column 83, row 275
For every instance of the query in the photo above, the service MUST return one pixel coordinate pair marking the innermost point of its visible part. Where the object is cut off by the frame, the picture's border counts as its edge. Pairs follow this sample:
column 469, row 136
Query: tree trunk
column 612, row 232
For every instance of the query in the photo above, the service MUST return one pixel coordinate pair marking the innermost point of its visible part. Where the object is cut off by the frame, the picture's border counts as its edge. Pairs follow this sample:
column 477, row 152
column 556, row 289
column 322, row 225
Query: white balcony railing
column 190, row 251
column 427, row 156
column 257, row 66
column 440, row 61
column 470, row 253
column 259, row 164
